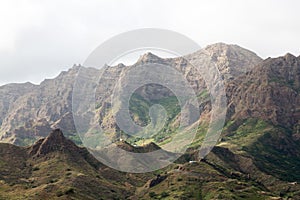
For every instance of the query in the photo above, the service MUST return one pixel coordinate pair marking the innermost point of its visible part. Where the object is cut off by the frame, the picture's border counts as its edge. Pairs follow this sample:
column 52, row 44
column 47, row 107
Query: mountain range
column 29, row 111
column 256, row 157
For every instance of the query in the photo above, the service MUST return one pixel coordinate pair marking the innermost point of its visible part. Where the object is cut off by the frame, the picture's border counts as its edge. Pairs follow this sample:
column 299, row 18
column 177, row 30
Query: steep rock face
column 263, row 116
column 9, row 94
column 270, row 92
column 30, row 131
column 43, row 105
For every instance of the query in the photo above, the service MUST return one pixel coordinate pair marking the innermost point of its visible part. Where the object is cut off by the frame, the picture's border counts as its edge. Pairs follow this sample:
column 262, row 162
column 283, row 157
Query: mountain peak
column 56, row 134
column 219, row 45
column 289, row 56
column 231, row 60
column 222, row 49
column 55, row 141
column 76, row 66
column 149, row 57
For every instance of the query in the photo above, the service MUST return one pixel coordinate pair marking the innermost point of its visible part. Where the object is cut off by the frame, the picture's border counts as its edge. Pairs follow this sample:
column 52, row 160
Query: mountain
column 29, row 111
column 231, row 60
column 263, row 116
column 269, row 91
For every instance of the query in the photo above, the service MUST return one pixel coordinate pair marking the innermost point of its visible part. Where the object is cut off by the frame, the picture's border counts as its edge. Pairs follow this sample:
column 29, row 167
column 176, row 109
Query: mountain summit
column 149, row 57
column 231, row 60
column 55, row 141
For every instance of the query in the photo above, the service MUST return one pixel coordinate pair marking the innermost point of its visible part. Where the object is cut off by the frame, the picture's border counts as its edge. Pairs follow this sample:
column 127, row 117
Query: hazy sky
column 40, row 38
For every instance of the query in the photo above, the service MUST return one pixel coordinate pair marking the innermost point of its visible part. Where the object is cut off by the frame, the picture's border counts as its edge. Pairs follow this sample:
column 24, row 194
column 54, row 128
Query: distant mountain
column 231, row 60
column 28, row 111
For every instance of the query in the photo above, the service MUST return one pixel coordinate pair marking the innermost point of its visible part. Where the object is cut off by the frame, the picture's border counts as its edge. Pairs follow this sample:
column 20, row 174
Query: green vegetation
column 75, row 138
column 201, row 181
column 244, row 133
column 277, row 154
column 139, row 108
column 273, row 149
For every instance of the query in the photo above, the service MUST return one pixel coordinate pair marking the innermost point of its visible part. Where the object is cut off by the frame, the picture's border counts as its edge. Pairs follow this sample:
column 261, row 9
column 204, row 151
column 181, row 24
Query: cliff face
column 33, row 110
column 270, row 92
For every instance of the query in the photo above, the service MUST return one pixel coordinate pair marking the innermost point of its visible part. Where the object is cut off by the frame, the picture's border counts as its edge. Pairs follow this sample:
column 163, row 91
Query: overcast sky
column 38, row 39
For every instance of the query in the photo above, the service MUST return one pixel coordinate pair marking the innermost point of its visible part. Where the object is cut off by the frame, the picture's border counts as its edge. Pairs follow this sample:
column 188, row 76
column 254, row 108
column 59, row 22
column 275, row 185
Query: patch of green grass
column 75, row 138
column 276, row 153
column 204, row 95
column 239, row 134
column 273, row 149
column 139, row 108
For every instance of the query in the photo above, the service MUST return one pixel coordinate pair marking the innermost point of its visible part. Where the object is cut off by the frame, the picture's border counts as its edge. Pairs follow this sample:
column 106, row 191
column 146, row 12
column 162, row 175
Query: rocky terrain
column 30, row 110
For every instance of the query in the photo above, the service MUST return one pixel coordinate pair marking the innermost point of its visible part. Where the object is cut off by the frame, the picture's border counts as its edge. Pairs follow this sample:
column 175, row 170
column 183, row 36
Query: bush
column 69, row 191
column 152, row 194
column 36, row 169
column 69, row 174
column 164, row 194
column 179, row 179
column 59, row 193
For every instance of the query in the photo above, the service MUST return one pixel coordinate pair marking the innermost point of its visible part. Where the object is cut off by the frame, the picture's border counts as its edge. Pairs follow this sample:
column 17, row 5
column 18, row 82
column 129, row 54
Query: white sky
column 40, row 38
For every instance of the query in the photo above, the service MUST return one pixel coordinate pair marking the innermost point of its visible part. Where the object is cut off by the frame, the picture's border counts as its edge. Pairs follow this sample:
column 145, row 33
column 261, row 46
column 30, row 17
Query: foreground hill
column 55, row 168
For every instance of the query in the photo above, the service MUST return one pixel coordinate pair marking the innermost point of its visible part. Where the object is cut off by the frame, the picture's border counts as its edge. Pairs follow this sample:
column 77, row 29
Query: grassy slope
column 272, row 148
column 60, row 175
column 202, row 181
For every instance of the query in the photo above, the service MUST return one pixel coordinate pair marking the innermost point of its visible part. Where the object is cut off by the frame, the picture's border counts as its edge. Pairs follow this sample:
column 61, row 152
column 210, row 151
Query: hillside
column 55, row 168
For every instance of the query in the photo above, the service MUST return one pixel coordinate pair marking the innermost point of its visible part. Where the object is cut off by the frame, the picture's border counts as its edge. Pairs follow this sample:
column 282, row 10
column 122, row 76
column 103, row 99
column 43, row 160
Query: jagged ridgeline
column 29, row 111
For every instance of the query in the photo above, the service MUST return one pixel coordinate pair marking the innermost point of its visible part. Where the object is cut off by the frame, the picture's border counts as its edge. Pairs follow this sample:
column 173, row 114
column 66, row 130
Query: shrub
column 164, row 194
column 152, row 194
column 36, row 169
column 69, row 191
